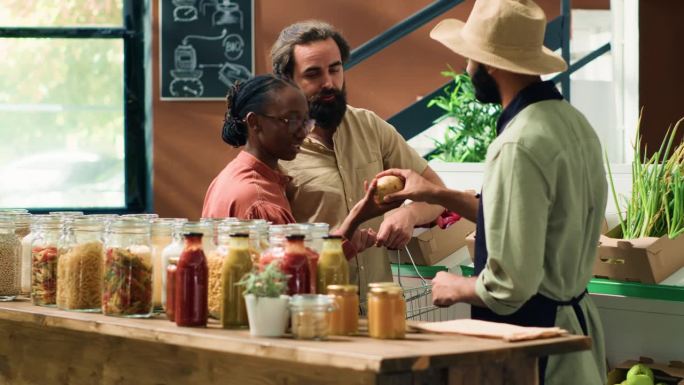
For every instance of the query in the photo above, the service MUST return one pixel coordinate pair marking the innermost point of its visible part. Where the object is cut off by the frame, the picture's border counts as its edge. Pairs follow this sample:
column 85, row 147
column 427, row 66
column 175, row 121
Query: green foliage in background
column 61, row 94
column 473, row 125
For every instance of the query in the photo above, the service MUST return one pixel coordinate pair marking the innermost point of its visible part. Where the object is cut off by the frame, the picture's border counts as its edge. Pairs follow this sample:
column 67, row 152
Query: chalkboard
column 205, row 46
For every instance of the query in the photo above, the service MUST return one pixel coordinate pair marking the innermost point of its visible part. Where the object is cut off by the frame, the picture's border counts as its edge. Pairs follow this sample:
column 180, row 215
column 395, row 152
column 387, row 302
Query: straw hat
column 505, row 34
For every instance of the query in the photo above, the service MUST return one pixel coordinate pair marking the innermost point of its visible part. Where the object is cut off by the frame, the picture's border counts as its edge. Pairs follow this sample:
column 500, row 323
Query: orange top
column 248, row 189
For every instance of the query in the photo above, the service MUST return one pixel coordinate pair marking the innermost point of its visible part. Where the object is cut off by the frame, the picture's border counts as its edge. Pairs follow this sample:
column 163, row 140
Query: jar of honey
column 344, row 320
column 386, row 312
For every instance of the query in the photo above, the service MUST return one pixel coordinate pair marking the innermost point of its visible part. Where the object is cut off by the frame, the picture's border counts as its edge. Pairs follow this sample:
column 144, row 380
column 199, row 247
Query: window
column 72, row 99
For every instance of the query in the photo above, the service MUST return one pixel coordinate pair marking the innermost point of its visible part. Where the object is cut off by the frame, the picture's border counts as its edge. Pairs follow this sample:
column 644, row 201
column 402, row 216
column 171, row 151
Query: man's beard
column 328, row 115
column 486, row 89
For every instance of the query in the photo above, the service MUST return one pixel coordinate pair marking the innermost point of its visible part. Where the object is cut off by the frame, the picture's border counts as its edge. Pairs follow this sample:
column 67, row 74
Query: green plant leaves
column 271, row 282
column 656, row 206
column 474, row 123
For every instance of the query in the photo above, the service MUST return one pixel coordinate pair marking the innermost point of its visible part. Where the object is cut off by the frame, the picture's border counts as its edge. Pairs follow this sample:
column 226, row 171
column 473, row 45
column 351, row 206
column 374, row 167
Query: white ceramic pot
column 267, row 316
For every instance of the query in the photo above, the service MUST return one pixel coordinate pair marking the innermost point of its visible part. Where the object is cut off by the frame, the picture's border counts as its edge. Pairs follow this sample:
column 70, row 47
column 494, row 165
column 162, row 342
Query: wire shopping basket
column 418, row 298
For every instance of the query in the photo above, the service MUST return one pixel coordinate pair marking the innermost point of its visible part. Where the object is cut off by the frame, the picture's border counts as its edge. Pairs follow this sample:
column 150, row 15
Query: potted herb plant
column 267, row 306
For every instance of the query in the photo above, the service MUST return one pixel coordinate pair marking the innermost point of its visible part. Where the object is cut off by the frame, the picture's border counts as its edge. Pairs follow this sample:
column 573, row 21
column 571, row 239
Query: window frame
column 137, row 141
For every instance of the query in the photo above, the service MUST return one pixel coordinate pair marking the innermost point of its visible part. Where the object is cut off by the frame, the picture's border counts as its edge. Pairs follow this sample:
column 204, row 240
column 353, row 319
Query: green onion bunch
column 656, row 206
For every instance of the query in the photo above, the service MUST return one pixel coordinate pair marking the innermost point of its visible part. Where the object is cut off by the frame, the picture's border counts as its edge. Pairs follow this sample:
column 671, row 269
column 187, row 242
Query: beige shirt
column 545, row 195
column 326, row 183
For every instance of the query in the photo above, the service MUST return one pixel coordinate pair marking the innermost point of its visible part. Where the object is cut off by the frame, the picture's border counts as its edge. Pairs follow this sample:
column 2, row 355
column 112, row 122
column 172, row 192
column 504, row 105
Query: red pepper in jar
column 192, row 284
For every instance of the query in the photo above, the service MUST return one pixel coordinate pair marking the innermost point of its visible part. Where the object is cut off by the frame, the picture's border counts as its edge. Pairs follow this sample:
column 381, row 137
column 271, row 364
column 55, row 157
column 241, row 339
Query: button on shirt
column 327, row 183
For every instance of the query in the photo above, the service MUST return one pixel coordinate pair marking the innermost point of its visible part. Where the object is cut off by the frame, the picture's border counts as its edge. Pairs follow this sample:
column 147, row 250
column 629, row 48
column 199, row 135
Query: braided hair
column 242, row 98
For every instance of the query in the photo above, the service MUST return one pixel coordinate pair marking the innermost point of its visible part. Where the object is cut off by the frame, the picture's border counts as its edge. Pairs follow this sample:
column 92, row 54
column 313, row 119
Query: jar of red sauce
column 192, row 286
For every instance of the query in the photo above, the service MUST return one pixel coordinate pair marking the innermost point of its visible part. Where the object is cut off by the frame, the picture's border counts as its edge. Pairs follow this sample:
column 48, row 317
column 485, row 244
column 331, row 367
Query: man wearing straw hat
column 544, row 191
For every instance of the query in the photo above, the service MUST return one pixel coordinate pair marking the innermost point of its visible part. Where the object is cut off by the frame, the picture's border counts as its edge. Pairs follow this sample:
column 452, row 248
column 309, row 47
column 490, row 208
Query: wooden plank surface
column 417, row 352
column 31, row 354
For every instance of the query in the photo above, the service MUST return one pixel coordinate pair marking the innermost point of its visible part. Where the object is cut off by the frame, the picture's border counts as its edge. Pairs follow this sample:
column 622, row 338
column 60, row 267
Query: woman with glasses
column 269, row 116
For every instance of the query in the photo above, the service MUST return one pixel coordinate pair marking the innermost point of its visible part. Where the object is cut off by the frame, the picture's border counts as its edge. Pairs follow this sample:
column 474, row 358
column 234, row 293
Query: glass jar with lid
column 26, row 253
column 171, row 251
column 22, row 228
column 79, row 265
column 258, row 238
column 314, row 233
column 344, row 320
column 236, row 264
column 311, row 316
column 214, row 223
column 386, row 312
column 128, row 269
column 170, row 297
column 192, row 286
column 333, row 268
column 215, row 260
column 295, row 263
column 44, row 255
column 175, row 248
column 10, row 260
column 161, row 236
column 276, row 247
column 319, row 231
column 22, row 222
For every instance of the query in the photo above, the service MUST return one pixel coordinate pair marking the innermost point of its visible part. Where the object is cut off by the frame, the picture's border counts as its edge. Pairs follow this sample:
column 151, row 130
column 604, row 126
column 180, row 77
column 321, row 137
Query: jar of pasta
column 344, row 320
column 128, row 270
column 44, row 254
column 79, row 266
column 10, row 257
column 386, row 312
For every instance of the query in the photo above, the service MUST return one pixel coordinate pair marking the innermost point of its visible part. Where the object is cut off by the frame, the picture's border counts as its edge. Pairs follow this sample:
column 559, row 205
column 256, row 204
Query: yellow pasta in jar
column 79, row 277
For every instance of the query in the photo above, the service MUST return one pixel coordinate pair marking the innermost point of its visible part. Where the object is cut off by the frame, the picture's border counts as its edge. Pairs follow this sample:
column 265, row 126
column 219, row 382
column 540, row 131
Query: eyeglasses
column 294, row 124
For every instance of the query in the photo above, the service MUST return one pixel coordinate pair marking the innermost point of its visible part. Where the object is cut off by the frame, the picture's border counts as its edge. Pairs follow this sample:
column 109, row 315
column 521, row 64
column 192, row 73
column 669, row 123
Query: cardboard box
column 672, row 374
column 645, row 260
column 429, row 246
column 470, row 240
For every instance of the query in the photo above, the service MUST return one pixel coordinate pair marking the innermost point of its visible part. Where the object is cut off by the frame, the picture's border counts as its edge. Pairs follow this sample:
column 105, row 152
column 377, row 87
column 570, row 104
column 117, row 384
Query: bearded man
column 347, row 147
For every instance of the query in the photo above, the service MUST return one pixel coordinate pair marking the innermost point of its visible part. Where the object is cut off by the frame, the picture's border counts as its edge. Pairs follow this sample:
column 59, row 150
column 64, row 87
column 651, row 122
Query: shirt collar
column 250, row 161
column 536, row 92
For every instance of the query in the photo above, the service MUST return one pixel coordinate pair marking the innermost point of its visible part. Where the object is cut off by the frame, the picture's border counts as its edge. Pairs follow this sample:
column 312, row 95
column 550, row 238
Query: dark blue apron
column 539, row 311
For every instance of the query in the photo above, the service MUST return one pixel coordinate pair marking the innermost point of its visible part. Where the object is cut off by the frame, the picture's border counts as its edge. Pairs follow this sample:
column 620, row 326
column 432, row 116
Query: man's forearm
column 423, row 213
column 462, row 202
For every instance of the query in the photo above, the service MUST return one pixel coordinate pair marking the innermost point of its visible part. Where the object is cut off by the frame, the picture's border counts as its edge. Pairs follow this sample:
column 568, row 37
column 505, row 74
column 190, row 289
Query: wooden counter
column 45, row 346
